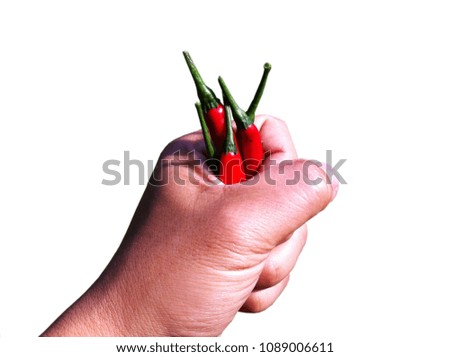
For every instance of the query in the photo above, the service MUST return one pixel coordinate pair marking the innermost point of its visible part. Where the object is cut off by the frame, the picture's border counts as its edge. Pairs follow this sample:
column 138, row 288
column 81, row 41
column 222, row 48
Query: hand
column 197, row 253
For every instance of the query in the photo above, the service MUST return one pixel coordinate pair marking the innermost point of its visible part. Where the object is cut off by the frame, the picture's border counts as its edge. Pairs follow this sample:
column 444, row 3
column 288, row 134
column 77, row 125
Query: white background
column 81, row 82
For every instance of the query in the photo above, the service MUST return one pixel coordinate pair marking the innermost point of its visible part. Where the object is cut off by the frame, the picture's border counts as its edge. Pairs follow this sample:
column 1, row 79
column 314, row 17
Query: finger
column 185, row 159
column 260, row 300
column 184, row 146
column 278, row 202
column 276, row 139
column 282, row 259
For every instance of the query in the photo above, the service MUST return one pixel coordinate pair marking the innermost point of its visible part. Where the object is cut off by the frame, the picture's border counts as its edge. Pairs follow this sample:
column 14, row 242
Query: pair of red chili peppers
column 237, row 162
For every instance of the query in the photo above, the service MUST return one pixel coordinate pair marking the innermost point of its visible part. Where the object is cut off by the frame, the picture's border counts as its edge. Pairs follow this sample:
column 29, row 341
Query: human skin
column 196, row 254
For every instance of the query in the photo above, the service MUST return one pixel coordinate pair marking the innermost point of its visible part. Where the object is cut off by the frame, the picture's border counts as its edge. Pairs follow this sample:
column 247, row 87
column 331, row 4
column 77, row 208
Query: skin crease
column 196, row 254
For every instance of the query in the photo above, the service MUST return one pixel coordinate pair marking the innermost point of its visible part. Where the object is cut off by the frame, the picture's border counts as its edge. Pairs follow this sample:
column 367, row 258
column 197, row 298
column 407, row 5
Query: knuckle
column 320, row 189
column 272, row 273
column 274, row 120
column 255, row 304
column 279, row 122
column 181, row 144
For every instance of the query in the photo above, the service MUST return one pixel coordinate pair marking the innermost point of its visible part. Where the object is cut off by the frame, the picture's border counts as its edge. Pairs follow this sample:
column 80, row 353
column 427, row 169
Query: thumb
column 282, row 198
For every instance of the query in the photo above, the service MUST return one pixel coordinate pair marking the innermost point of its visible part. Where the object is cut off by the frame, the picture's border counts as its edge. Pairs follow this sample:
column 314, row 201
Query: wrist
column 107, row 308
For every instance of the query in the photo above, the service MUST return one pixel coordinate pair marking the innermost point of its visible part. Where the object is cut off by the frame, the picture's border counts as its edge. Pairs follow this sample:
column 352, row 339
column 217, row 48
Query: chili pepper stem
column 207, row 97
column 229, row 146
column 259, row 92
column 241, row 118
column 248, row 138
column 206, row 135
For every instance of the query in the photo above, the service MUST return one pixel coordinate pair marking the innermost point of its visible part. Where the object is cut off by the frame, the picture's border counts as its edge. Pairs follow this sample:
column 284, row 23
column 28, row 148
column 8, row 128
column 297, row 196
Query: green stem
column 225, row 99
column 259, row 92
column 229, row 146
column 240, row 117
column 206, row 136
column 204, row 93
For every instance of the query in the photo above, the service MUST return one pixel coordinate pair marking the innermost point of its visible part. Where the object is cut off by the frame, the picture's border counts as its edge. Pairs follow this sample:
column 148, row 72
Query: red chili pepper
column 230, row 170
column 248, row 137
column 212, row 107
column 250, row 143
